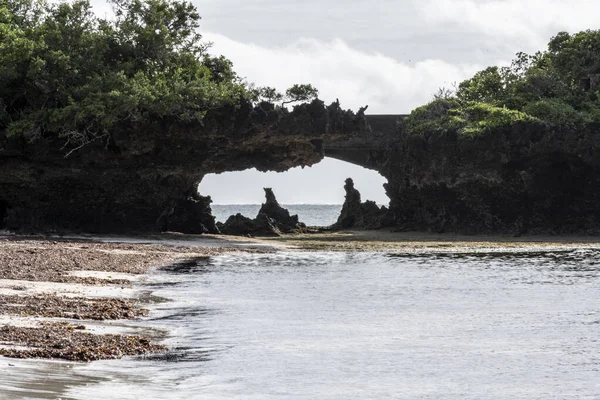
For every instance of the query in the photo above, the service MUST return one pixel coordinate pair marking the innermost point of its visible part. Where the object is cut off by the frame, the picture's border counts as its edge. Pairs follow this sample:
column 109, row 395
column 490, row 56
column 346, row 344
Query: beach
column 66, row 300
column 51, row 288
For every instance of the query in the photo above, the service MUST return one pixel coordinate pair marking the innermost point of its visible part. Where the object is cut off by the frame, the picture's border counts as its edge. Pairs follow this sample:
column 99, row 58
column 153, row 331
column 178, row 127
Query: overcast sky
column 390, row 54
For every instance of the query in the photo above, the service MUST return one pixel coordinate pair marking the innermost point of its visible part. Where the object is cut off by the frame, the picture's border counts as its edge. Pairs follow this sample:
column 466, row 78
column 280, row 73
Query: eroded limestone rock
column 272, row 220
column 146, row 169
column 191, row 215
column 358, row 215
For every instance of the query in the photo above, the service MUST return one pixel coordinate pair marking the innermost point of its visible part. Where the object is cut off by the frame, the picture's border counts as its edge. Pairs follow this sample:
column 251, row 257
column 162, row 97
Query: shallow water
column 295, row 325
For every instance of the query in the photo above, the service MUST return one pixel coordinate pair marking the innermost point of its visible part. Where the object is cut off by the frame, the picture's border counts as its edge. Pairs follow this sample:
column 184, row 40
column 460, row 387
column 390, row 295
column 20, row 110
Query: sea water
column 325, row 325
column 310, row 214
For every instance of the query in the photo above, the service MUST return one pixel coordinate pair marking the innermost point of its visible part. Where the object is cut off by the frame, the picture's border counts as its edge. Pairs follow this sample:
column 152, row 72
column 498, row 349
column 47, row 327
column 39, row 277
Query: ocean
column 337, row 325
column 310, row 214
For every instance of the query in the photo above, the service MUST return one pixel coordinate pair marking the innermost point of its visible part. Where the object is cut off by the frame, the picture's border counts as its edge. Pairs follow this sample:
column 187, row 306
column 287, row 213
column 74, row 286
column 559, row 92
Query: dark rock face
column 146, row 174
column 518, row 179
column 3, row 214
column 357, row 215
column 522, row 179
column 272, row 220
column 512, row 180
column 191, row 215
column 284, row 222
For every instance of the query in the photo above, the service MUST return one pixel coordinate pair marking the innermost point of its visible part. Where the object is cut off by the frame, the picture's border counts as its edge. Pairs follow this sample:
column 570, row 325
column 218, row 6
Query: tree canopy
column 296, row 93
column 64, row 72
column 558, row 87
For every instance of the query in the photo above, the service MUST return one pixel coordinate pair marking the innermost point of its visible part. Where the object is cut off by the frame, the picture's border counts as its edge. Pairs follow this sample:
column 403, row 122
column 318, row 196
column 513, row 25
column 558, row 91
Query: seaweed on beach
column 53, row 306
column 54, row 261
column 70, row 342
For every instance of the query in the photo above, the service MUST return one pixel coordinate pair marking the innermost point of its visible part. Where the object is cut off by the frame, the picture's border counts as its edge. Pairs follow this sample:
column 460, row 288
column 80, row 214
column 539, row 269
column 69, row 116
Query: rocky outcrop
column 190, row 215
column 144, row 177
column 524, row 178
column 520, row 179
column 271, row 209
column 515, row 180
column 272, row 220
column 358, row 215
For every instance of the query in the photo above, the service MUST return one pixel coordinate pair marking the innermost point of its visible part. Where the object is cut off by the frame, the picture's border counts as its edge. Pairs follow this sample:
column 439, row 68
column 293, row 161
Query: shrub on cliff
column 559, row 87
column 66, row 73
column 468, row 118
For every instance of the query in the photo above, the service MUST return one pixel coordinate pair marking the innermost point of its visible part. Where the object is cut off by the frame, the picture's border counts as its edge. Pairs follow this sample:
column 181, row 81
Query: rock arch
column 151, row 170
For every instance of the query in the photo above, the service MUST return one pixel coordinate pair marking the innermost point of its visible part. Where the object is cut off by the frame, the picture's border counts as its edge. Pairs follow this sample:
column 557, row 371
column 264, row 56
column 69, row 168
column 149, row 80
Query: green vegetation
column 66, row 73
column 559, row 87
column 296, row 93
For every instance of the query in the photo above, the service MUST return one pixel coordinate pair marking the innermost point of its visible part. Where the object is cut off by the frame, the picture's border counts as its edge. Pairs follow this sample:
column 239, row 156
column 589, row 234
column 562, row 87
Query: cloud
column 355, row 77
column 525, row 22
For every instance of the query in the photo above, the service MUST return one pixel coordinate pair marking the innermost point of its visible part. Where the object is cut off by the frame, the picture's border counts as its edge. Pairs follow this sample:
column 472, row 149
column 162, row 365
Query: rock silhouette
column 358, row 215
column 191, row 215
column 272, row 220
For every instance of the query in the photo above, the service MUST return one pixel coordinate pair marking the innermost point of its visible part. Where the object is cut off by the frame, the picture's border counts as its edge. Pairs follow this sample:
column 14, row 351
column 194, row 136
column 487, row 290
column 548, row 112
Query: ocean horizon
column 310, row 214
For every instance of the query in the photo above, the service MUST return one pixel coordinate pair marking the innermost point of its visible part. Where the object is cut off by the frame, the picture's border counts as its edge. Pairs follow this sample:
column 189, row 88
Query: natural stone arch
column 151, row 168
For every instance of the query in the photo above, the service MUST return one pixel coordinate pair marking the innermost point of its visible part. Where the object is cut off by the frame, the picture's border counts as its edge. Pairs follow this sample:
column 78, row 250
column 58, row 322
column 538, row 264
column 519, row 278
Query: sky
column 389, row 54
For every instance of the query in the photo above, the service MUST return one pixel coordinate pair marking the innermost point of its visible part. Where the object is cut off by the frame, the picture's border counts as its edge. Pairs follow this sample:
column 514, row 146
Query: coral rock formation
column 357, row 215
column 148, row 171
column 191, row 215
column 272, row 220
column 513, row 180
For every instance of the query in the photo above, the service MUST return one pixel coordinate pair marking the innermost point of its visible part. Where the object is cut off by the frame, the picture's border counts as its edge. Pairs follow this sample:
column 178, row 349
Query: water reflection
column 196, row 265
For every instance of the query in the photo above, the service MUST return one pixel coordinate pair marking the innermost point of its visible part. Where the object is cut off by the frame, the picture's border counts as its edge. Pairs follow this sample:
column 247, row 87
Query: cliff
column 524, row 178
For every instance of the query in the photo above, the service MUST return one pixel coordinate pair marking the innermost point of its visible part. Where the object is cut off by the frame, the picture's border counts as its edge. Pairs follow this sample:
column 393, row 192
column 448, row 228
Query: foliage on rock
column 559, row 87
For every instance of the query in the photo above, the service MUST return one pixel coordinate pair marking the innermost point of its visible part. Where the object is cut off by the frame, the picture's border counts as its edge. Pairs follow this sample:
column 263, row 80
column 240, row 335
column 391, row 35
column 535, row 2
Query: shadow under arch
column 3, row 214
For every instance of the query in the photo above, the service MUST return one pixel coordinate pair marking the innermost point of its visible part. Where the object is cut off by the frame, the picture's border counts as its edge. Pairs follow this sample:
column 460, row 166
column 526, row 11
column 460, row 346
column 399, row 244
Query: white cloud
column 339, row 71
column 522, row 22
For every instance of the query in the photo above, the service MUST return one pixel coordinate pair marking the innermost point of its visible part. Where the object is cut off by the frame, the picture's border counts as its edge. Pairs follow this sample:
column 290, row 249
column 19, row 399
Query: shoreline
column 52, row 288
column 98, row 277
column 420, row 242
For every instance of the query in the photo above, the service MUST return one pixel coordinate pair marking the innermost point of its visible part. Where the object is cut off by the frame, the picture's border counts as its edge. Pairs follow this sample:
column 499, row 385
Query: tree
column 298, row 93
column 559, row 87
column 575, row 57
column 486, row 86
column 269, row 94
column 65, row 73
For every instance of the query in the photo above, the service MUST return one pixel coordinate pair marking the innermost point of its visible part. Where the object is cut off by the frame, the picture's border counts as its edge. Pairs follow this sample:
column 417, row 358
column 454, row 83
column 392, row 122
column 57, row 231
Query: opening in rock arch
column 315, row 193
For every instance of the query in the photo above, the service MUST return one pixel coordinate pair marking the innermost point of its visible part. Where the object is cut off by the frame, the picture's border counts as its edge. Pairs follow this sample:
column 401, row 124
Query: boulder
column 239, row 225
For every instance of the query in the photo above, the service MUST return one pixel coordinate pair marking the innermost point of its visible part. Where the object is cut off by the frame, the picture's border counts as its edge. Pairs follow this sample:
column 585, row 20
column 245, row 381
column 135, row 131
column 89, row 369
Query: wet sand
column 416, row 242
